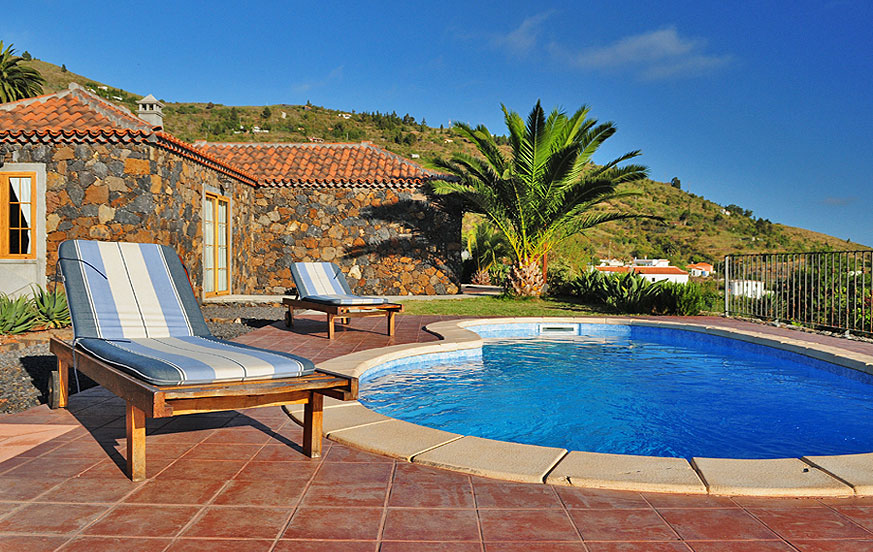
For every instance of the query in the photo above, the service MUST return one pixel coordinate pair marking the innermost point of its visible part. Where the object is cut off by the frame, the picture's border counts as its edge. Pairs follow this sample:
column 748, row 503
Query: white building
column 611, row 262
column 700, row 270
column 659, row 273
column 651, row 262
column 650, row 273
column 752, row 289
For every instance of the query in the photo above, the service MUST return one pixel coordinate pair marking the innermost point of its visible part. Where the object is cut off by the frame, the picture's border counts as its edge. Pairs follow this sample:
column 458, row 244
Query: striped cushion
column 193, row 359
column 133, row 307
column 128, row 291
column 345, row 299
column 325, row 283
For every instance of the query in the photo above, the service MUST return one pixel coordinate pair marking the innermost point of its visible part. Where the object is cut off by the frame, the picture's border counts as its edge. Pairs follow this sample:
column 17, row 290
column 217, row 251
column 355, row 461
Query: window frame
column 4, row 214
column 217, row 199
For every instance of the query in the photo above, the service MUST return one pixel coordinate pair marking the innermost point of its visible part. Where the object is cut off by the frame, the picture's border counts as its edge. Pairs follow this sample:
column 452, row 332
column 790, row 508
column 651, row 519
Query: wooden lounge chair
column 322, row 287
column 139, row 332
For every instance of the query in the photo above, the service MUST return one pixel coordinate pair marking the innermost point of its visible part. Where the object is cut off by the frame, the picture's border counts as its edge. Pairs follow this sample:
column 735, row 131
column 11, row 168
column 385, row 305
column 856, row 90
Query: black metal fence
column 829, row 290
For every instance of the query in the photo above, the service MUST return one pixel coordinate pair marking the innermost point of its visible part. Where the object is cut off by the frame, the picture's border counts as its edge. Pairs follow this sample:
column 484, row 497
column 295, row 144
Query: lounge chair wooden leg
column 289, row 318
column 391, row 322
column 136, row 445
column 330, row 320
column 59, row 386
column 312, row 425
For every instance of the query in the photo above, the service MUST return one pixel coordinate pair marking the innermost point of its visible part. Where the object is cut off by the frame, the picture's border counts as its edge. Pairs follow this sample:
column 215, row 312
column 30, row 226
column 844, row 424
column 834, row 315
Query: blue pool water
column 634, row 390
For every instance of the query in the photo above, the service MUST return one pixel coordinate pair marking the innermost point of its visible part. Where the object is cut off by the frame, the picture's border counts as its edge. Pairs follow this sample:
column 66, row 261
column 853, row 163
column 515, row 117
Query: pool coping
column 355, row 425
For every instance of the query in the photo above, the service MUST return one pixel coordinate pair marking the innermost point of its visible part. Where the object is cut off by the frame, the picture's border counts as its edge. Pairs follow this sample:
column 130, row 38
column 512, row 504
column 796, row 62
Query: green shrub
column 632, row 294
column 499, row 273
column 51, row 307
column 561, row 278
column 16, row 315
column 629, row 293
column 682, row 299
column 589, row 286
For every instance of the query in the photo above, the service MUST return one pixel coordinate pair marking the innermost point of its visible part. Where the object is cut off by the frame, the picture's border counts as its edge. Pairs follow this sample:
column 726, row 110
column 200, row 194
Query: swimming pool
column 631, row 390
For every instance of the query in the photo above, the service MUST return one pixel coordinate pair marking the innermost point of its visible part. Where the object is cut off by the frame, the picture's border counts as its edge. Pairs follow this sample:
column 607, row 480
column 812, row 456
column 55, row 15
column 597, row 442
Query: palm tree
column 487, row 248
column 547, row 189
column 17, row 81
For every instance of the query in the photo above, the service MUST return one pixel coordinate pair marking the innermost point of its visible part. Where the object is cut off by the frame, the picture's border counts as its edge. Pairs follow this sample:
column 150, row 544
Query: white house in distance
column 611, row 262
column 651, row 262
column 752, row 289
column 653, row 270
column 700, row 270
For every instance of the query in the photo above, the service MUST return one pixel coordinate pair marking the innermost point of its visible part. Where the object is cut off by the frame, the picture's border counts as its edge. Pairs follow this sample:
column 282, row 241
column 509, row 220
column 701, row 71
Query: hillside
column 695, row 229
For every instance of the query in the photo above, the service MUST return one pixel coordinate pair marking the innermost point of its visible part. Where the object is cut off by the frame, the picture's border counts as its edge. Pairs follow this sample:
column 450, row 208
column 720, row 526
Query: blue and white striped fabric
column 325, row 283
column 132, row 306
column 195, row 359
column 128, row 290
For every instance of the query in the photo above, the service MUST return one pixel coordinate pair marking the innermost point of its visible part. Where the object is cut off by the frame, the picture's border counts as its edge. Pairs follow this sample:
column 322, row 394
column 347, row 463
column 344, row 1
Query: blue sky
column 765, row 105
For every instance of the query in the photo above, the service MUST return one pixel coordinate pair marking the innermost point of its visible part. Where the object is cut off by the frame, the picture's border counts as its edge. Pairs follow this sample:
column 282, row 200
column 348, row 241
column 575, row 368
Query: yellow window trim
column 4, row 215
column 217, row 199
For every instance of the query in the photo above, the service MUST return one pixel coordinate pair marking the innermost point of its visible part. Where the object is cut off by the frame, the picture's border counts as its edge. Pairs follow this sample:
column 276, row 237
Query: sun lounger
column 322, row 287
column 139, row 332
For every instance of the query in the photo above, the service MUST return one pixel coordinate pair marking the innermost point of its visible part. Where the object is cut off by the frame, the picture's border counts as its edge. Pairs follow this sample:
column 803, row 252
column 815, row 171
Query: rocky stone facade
column 134, row 192
column 387, row 241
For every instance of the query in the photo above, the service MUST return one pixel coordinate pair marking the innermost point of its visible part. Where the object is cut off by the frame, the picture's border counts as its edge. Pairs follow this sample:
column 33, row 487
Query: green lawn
column 499, row 306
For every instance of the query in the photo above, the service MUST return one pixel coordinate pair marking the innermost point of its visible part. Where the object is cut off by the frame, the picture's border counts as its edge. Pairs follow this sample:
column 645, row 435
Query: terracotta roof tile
column 331, row 165
column 658, row 270
column 77, row 116
column 71, row 109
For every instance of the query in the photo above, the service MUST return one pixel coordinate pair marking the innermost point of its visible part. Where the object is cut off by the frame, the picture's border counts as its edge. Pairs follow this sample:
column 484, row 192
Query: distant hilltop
column 695, row 229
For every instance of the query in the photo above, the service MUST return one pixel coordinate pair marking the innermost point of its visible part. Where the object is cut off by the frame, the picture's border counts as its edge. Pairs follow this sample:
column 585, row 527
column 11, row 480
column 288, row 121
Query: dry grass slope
column 694, row 228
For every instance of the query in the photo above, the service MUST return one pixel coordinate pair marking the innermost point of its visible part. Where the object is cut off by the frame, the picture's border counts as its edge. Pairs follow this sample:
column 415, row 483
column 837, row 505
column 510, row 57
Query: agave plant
column 547, row 189
column 588, row 286
column 51, row 307
column 629, row 293
column 16, row 315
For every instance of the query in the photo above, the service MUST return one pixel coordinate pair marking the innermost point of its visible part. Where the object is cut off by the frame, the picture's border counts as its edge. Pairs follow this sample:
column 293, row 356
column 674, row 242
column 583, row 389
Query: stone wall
column 388, row 242
column 133, row 192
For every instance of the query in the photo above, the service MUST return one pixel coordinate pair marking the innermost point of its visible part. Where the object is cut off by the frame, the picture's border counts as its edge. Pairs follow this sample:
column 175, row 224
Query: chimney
column 150, row 111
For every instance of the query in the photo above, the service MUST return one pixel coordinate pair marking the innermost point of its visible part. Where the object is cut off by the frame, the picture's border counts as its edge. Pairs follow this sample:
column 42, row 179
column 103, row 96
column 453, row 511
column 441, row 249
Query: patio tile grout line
column 59, row 445
column 200, row 513
column 662, row 518
column 202, row 507
column 299, row 500
column 762, row 522
column 383, row 518
column 844, row 516
column 567, row 514
column 479, row 528
column 112, row 506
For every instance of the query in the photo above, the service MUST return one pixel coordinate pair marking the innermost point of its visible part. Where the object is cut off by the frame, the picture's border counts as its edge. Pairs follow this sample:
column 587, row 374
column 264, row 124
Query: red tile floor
column 237, row 481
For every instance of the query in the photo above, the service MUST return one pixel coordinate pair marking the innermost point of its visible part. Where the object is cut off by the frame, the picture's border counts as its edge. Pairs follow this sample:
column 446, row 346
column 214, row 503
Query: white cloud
column 839, row 201
column 654, row 55
column 335, row 75
column 522, row 39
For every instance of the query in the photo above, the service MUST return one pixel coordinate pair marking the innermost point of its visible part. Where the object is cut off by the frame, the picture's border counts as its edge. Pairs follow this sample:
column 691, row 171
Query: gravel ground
column 24, row 373
column 24, row 376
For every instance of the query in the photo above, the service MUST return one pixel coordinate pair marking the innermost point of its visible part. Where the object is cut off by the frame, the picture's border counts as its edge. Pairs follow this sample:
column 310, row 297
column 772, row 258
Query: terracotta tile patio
column 238, row 481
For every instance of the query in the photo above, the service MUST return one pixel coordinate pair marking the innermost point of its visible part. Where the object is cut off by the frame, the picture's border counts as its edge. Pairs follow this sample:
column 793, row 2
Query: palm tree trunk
column 526, row 278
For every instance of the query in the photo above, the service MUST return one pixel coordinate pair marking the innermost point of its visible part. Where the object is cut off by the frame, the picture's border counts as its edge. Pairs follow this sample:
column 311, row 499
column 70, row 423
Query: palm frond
column 548, row 187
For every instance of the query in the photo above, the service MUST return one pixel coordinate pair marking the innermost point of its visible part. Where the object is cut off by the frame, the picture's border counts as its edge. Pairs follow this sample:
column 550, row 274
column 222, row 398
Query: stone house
column 353, row 204
column 73, row 165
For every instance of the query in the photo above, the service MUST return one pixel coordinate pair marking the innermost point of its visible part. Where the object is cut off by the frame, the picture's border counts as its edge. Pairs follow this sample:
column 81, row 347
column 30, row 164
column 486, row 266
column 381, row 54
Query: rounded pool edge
column 809, row 476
